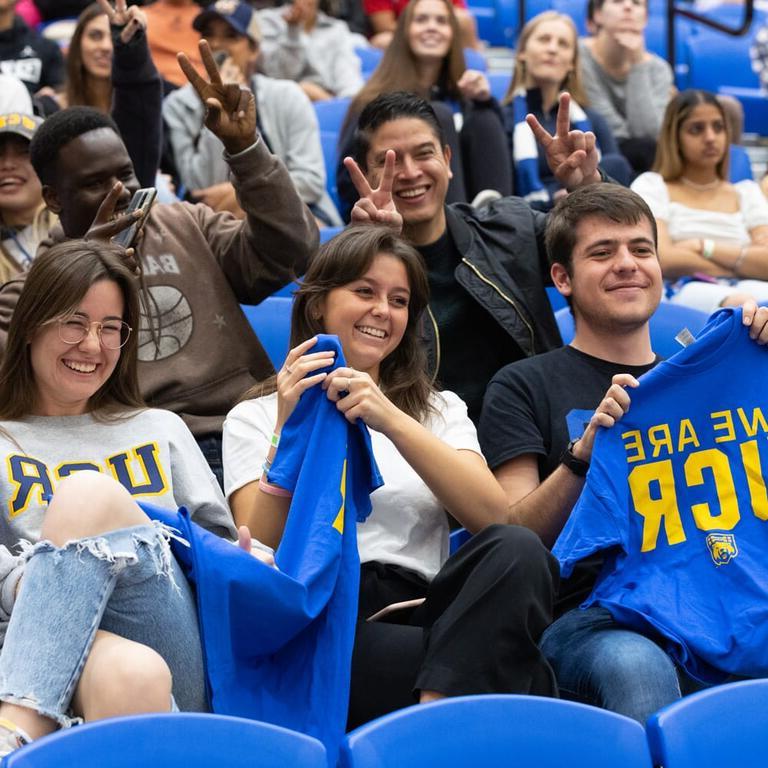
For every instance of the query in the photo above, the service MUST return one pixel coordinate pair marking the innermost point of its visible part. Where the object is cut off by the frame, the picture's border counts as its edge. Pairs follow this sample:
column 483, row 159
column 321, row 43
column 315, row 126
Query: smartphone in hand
column 141, row 200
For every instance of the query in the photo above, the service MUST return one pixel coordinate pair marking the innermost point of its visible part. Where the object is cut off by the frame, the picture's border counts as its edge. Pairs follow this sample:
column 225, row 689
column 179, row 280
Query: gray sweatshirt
column 151, row 453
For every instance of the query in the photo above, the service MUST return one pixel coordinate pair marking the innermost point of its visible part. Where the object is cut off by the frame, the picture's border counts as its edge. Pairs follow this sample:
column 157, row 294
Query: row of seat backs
column 722, row 726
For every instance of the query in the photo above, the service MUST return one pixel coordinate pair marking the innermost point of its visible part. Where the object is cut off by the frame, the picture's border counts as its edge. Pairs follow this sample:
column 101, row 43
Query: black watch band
column 579, row 467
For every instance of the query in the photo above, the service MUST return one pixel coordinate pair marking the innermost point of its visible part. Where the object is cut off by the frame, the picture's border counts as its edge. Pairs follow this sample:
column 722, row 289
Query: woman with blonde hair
column 709, row 229
column 425, row 57
column 546, row 64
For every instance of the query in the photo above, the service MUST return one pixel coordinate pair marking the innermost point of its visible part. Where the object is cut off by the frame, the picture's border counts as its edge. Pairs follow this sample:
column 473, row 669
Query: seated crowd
column 123, row 339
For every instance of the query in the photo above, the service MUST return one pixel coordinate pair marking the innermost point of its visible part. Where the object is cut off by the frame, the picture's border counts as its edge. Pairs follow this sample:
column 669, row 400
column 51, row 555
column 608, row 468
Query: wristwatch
column 579, row 467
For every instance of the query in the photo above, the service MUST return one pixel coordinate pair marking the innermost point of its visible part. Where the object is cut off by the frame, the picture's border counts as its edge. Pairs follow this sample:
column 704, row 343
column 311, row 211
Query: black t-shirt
column 473, row 346
column 538, row 405
column 30, row 57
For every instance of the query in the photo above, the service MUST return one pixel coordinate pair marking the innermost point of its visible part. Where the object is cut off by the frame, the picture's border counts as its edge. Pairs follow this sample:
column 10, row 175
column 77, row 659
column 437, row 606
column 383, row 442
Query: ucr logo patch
column 722, row 547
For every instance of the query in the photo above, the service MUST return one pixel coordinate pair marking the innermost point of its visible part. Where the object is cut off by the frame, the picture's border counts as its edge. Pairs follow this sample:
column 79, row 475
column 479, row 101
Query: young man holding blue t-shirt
column 601, row 242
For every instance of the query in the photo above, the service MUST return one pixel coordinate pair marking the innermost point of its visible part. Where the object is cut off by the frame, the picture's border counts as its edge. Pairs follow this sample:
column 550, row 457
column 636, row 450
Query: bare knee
column 122, row 677
column 86, row 504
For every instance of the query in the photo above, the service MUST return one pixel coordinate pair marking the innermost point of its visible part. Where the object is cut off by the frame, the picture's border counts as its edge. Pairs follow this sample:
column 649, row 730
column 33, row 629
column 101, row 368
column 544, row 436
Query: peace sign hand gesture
column 572, row 155
column 375, row 206
column 230, row 109
column 131, row 19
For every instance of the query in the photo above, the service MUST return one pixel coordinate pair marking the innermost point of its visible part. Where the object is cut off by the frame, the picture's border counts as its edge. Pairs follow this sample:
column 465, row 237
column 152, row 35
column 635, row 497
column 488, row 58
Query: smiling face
column 222, row 36
column 422, row 173
column 86, row 170
column 370, row 314
column 430, row 33
column 549, row 54
column 703, row 137
column 96, row 47
column 68, row 375
column 20, row 190
column 615, row 283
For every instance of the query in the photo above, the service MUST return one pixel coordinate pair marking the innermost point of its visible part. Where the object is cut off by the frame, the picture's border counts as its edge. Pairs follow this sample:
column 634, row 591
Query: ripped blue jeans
column 126, row 582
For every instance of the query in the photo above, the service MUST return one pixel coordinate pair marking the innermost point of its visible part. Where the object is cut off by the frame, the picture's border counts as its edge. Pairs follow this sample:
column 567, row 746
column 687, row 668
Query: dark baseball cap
column 240, row 16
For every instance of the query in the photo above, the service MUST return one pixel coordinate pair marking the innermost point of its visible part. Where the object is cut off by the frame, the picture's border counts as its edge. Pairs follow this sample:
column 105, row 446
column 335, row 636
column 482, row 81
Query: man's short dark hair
column 609, row 201
column 59, row 129
column 384, row 109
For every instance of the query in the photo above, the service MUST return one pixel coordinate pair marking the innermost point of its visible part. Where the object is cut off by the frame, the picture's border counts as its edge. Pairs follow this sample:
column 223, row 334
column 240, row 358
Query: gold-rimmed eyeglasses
column 112, row 334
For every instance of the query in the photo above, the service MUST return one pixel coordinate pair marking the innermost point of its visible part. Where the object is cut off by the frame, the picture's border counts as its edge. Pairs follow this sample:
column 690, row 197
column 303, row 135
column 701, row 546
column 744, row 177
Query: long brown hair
column 56, row 283
column 77, row 90
column 669, row 162
column 572, row 82
column 347, row 257
column 398, row 68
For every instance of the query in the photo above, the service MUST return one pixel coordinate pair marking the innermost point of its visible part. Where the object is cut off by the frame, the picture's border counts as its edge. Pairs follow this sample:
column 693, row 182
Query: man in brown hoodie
column 197, row 351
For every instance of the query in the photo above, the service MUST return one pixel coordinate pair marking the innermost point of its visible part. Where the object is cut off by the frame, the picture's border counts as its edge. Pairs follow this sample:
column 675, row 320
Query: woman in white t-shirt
column 708, row 227
column 485, row 608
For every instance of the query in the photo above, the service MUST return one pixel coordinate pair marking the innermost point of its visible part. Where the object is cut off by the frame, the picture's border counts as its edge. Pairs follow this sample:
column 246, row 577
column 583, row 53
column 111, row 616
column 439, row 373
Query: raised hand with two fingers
column 375, row 206
column 230, row 109
column 571, row 155
column 130, row 17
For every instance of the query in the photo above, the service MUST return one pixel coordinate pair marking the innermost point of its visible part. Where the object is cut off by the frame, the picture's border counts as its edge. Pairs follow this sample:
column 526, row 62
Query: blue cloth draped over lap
column 278, row 642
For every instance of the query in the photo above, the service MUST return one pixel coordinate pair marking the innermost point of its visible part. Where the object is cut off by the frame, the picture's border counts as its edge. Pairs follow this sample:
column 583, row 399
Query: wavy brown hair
column 398, row 68
column 55, row 285
column 77, row 90
column 572, row 82
column 347, row 257
column 669, row 162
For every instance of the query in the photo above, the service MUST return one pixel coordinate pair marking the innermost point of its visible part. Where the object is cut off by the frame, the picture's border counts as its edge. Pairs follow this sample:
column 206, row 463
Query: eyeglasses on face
column 112, row 334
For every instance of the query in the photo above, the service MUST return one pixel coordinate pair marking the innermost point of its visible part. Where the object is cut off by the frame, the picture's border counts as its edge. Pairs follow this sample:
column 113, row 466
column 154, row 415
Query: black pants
column 477, row 631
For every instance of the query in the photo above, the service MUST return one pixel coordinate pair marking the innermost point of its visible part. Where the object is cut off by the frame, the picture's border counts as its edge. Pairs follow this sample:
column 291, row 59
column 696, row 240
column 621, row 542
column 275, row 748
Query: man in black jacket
column 25, row 54
column 487, row 267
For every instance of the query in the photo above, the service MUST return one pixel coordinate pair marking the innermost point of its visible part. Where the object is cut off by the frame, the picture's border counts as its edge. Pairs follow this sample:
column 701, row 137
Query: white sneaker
column 11, row 737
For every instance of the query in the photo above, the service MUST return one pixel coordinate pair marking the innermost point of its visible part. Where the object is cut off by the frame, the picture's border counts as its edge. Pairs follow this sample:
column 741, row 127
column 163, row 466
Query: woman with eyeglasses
column 96, row 617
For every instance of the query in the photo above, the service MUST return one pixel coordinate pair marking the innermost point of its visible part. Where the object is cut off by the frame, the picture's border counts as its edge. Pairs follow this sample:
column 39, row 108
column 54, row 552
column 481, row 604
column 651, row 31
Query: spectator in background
column 383, row 15
column 707, row 226
column 287, row 121
column 426, row 58
column 14, row 96
column 29, row 12
column 24, row 218
column 170, row 30
column 109, row 68
column 547, row 63
column 300, row 42
column 625, row 83
column 197, row 351
column 26, row 55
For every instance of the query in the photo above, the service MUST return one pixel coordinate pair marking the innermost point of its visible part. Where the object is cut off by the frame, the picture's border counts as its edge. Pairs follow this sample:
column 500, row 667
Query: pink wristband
column 273, row 490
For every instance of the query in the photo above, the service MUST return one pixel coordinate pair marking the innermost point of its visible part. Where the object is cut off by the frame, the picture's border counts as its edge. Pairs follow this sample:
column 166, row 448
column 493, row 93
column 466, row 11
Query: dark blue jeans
column 598, row 662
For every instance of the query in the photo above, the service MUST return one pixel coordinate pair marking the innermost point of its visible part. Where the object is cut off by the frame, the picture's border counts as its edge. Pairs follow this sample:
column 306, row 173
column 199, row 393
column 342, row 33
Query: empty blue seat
column 715, row 60
column 499, row 82
column 666, row 322
column 329, row 141
column 498, row 731
column 739, row 165
column 180, row 740
column 331, row 113
column 271, row 322
column 369, row 58
column 475, row 60
column 718, row 727
column 327, row 233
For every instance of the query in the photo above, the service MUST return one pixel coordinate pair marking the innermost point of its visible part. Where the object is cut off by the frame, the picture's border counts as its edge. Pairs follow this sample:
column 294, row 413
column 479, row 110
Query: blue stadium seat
column 499, row 82
column 755, row 106
column 331, row 113
column 667, row 321
column 457, row 538
column 556, row 299
column 475, row 60
column 739, row 164
column 507, row 22
column 726, row 725
column 329, row 141
column 180, row 740
column 498, row 731
column 271, row 322
column 327, row 233
column 369, row 58
column 708, row 51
